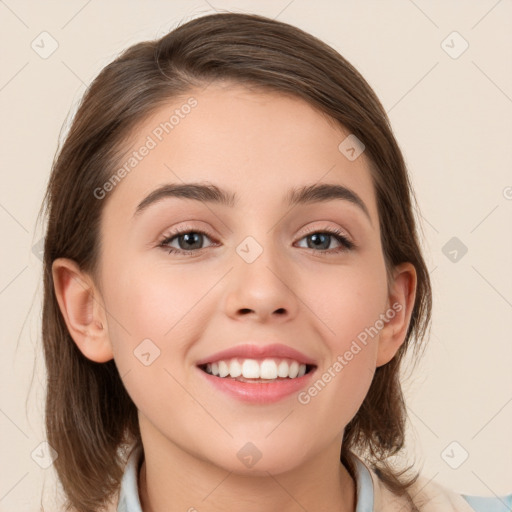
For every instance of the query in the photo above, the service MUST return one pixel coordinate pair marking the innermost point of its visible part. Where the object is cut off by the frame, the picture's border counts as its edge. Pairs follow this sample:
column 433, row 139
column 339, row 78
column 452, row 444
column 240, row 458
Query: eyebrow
column 204, row 192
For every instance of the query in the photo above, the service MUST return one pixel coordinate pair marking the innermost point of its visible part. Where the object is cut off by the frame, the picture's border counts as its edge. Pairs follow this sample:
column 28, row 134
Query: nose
column 262, row 290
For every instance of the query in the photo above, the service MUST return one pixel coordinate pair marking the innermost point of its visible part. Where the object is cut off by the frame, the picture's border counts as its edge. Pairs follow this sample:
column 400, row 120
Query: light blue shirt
column 129, row 496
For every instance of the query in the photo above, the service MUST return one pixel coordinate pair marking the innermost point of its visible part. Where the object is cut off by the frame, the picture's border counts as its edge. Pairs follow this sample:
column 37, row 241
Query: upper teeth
column 254, row 369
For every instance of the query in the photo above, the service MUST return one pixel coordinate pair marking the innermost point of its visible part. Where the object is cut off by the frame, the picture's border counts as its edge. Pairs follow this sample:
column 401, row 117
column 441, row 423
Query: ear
column 402, row 293
column 81, row 306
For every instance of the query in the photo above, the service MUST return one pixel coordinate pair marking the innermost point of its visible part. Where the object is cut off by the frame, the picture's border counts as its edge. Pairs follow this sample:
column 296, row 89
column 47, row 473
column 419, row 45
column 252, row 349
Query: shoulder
column 494, row 504
column 429, row 496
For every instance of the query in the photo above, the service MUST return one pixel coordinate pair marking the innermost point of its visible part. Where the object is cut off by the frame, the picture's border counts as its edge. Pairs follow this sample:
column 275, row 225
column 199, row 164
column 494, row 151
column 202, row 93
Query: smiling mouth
column 253, row 370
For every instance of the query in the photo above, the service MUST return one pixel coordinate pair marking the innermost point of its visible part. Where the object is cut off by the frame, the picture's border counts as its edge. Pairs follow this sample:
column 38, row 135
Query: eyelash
column 346, row 245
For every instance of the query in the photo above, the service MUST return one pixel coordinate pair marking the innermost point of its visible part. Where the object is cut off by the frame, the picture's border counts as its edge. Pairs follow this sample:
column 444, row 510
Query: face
column 183, row 279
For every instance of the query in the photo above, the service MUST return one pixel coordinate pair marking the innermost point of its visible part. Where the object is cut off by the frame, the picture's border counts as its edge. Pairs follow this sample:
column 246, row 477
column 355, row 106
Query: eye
column 322, row 240
column 188, row 241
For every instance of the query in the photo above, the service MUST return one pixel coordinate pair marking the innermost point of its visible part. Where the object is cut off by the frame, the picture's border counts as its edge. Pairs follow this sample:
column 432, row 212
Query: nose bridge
column 262, row 277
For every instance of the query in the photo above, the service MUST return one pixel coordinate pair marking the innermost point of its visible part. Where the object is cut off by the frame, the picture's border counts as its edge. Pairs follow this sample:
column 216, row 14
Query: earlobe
column 81, row 307
column 400, row 305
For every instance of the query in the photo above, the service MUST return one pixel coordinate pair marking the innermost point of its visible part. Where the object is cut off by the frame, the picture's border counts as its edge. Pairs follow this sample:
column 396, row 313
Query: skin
column 258, row 145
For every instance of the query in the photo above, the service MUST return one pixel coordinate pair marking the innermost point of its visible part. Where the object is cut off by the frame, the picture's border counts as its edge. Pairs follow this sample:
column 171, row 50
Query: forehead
column 259, row 143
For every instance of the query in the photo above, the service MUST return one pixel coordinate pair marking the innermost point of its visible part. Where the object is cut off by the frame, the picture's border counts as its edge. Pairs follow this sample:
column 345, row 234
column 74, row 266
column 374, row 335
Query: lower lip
column 258, row 392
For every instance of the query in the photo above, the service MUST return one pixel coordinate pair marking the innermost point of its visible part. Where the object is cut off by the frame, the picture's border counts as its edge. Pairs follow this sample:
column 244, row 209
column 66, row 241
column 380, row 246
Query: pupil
column 316, row 237
column 190, row 238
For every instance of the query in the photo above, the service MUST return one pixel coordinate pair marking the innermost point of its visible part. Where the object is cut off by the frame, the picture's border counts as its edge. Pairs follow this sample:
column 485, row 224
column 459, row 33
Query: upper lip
column 252, row 350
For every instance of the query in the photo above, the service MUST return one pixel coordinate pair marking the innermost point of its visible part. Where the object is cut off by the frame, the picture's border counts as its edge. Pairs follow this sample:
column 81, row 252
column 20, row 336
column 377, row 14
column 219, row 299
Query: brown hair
column 90, row 418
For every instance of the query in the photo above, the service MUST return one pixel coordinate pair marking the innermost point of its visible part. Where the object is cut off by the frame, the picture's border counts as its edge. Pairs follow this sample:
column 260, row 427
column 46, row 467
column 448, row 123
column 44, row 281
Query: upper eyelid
column 184, row 228
column 190, row 229
column 315, row 229
column 187, row 227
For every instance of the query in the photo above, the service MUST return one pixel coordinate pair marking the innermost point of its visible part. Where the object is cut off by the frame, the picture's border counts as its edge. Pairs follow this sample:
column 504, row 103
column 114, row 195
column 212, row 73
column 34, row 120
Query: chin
column 258, row 459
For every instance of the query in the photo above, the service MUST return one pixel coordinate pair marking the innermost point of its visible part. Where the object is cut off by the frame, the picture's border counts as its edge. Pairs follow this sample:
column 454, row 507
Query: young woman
column 233, row 277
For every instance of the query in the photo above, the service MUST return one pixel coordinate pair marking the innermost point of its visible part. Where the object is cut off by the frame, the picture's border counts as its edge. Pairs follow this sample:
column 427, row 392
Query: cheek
column 150, row 313
column 346, row 300
column 150, row 300
column 149, row 330
column 347, row 303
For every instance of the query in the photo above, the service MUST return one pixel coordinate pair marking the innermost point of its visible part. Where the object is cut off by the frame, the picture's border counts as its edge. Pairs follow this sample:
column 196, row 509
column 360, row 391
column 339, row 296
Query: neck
column 172, row 479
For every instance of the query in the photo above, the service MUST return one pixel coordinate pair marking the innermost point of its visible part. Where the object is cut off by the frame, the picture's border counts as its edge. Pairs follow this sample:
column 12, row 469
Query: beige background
column 452, row 118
